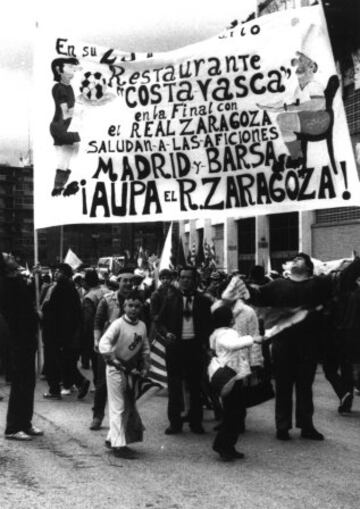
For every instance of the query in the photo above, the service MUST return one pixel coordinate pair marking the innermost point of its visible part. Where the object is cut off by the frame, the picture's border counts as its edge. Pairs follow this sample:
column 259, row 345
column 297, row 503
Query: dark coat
column 351, row 326
column 170, row 318
column 62, row 315
column 18, row 311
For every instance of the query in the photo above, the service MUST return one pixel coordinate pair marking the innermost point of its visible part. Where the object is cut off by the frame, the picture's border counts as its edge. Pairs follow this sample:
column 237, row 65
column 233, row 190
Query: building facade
column 89, row 242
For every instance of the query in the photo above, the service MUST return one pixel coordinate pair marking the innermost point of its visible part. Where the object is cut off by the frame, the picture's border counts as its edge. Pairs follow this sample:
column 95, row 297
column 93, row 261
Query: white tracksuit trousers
column 116, row 384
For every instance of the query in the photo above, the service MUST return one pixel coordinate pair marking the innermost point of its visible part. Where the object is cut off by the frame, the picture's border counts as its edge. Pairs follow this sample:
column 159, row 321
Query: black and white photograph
column 180, row 254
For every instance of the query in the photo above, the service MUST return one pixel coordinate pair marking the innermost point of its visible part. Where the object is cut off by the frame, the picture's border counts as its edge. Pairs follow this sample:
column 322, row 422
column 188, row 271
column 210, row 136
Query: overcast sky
column 131, row 25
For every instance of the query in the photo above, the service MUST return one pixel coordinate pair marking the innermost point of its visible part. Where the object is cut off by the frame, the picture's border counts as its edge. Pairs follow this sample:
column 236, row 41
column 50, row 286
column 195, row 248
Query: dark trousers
column 100, row 395
column 234, row 413
column 21, row 400
column 337, row 368
column 94, row 361
column 70, row 372
column 61, row 366
column 184, row 363
column 294, row 365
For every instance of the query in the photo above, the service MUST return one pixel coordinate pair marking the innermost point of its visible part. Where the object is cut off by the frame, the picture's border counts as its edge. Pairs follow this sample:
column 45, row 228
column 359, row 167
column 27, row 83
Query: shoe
column 357, row 392
column 198, row 430
column 224, row 454
column 124, row 452
column 1, row 398
column 172, row 430
column 237, row 454
column 66, row 392
column 345, row 404
column 311, row 434
column 108, row 444
column 34, row 432
column 50, row 395
column 96, row 424
column 83, row 389
column 20, row 435
column 283, row 434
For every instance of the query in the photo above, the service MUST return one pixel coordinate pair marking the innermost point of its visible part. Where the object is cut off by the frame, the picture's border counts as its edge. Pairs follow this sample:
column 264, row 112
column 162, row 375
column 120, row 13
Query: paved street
column 70, row 468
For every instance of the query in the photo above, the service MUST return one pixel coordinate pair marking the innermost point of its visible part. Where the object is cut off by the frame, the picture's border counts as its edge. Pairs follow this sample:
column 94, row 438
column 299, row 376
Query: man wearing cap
column 185, row 321
column 110, row 307
column 298, row 299
column 61, row 323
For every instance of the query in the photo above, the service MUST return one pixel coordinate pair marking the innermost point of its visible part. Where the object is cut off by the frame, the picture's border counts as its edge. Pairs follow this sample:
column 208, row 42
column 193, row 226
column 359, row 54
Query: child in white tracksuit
column 230, row 350
column 124, row 346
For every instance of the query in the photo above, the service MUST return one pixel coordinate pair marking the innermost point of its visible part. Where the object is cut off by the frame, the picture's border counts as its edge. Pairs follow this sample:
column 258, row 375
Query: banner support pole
column 40, row 356
column 61, row 254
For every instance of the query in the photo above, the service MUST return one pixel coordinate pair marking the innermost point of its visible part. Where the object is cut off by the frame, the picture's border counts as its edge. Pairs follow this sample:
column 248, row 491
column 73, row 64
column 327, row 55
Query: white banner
column 248, row 122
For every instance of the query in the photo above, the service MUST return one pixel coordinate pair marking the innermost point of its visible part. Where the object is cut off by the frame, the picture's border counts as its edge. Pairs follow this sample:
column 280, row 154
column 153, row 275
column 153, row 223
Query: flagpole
column 61, row 254
column 39, row 356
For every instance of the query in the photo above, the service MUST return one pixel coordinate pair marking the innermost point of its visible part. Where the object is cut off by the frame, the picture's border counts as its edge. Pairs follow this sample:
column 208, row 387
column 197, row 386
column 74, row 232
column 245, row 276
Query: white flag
column 165, row 260
column 72, row 260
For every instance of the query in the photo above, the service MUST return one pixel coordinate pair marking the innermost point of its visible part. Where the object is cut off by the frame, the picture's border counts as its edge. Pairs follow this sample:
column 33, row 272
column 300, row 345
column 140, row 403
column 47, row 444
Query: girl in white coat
column 229, row 347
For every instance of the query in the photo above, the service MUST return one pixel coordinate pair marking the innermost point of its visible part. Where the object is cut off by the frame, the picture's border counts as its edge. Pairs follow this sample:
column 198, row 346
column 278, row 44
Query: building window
column 218, row 231
column 339, row 215
column 246, row 244
column 284, row 238
column 246, row 235
column 186, row 242
column 284, row 232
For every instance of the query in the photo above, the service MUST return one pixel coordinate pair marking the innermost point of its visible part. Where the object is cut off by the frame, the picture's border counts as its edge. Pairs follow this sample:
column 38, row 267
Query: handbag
column 222, row 378
column 257, row 388
column 133, row 426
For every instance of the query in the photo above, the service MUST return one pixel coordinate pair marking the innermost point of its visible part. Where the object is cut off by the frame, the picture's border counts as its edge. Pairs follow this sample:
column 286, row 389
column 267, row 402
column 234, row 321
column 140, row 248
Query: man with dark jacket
column 185, row 321
column 94, row 293
column 61, row 310
column 295, row 345
column 18, row 310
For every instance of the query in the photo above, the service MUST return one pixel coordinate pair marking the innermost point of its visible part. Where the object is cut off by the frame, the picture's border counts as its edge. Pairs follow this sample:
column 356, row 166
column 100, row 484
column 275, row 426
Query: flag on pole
column 207, row 251
column 72, row 260
column 191, row 258
column 157, row 372
column 157, row 377
column 268, row 266
column 165, row 259
column 179, row 255
column 140, row 258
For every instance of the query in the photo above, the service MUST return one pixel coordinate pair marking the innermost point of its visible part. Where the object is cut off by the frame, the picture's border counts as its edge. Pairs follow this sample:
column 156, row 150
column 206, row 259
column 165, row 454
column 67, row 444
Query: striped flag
column 157, row 372
column 207, row 251
column 191, row 258
column 157, row 377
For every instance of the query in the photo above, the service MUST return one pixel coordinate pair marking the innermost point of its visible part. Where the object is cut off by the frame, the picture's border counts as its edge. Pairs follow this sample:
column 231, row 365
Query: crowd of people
column 221, row 333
